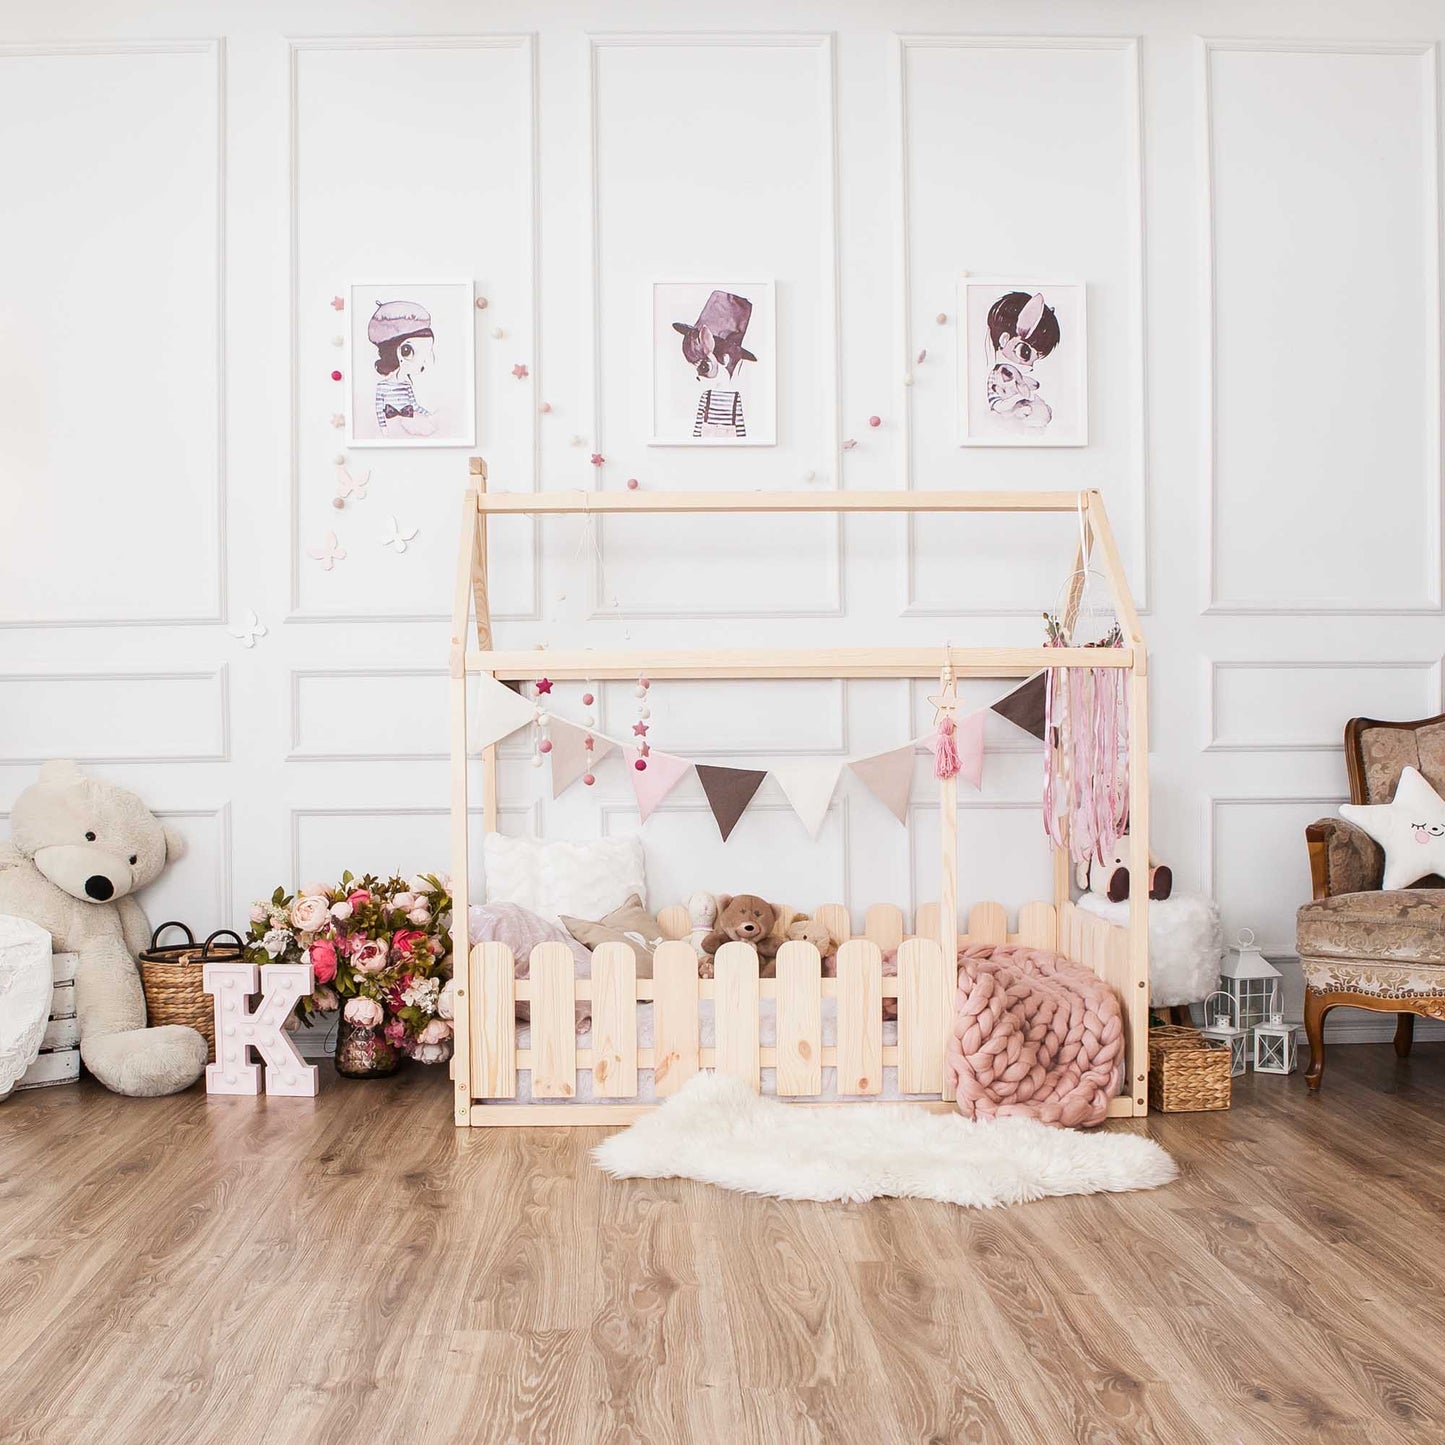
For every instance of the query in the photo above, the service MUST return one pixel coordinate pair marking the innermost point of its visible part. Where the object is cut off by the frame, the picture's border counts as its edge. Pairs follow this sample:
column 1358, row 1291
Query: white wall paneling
column 1003, row 856
column 1074, row 211
column 115, row 717
column 450, row 189
column 688, row 186
column 114, row 362
column 1322, row 233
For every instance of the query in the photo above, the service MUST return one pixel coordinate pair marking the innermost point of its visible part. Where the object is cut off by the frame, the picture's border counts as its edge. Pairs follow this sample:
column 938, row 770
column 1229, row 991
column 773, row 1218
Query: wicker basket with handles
column 171, row 975
column 1186, row 1075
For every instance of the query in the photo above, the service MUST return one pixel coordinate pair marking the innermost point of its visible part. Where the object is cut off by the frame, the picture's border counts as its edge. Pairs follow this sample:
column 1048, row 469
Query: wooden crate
column 58, row 1061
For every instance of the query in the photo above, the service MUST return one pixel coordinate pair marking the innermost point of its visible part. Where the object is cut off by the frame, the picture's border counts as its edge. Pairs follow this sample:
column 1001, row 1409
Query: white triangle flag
column 808, row 785
column 499, row 712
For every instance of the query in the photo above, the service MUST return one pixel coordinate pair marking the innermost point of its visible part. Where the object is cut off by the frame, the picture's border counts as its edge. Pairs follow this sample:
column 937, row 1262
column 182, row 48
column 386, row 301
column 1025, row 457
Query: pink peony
column 341, row 911
column 420, row 915
column 323, row 960
column 308, row 914
column 395, row 1031
column 404, row 901
column 404, row 940
column 317, row 890
column 259, row 913
column 357, row 897
column 369, row 956
column 365, row 1013
column 437, row 1031
column 325, row 999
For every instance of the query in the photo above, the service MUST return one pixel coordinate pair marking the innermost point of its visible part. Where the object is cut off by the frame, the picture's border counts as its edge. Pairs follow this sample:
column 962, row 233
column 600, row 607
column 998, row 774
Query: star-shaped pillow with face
column 1411, row 829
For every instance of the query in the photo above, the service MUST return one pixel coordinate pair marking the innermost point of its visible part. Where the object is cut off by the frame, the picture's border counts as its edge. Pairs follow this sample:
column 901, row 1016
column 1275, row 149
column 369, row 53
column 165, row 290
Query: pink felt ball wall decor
column 336, row 376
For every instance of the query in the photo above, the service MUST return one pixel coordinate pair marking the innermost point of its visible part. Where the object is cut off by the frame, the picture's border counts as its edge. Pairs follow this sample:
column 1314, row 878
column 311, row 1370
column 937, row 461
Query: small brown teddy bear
column 745, row 918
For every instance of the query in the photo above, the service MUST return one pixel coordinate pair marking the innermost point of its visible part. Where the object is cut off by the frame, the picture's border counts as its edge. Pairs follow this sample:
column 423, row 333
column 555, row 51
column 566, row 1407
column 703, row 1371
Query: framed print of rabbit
column 410, row 379
column 1022, row 352
column 714, row 368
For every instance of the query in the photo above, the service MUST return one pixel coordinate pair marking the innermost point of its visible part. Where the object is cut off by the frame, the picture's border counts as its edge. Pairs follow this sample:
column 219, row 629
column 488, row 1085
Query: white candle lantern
column 1250, row 980
column 1221, row 1032
column 1275, row 1049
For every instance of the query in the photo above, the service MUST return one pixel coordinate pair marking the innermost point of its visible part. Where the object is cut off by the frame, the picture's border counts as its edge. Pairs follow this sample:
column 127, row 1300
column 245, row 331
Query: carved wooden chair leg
column 1404, row 1034
column 1317, row 1005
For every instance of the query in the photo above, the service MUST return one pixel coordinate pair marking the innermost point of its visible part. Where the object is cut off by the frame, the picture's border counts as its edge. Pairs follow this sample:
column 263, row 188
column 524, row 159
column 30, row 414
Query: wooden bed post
column 948, row 869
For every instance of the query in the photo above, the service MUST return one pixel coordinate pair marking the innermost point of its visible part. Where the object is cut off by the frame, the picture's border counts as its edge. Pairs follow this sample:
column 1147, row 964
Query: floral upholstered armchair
column 1358, row 945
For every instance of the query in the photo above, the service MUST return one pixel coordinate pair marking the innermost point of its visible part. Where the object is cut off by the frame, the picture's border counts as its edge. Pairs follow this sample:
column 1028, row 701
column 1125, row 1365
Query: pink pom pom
column 641, row 765
column 588, row 699
column 875, row 421
column 632, row 484
column 588, row 780
column 545, row 746
column 336, row 376
column 945, row 756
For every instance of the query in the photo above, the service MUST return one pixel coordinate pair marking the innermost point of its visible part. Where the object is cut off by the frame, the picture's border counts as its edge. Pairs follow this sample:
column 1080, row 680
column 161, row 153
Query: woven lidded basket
column 171, row 975
column 1186, row 1075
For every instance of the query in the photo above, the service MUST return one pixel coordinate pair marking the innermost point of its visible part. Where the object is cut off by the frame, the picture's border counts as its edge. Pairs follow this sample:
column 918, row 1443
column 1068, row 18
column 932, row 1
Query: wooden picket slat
column 675, row 921
column 836, row 917
column 735, row 1012
column 922, row 1023
column 883, row 925
column 800, row 1020
column 614, row 1021
column 987, row 923
column 674, row 1016
column 860, row 1017
column 554, row 1022
column 494, row 1022
column 925, row 925
column 1038, row 925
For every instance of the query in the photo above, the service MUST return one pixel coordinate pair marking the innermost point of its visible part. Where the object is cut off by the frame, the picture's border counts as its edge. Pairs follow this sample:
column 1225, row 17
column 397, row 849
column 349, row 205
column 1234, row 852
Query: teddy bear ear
column 724, row 900
column 175, row 845
column 60, row 770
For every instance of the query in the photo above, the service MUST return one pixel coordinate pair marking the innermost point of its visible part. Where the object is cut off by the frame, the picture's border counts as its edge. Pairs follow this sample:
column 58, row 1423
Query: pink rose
column 363, row 1012
column 308, row 914
column 369, row 957
column 404, row 940
column 404, row 901
column 357, row 897
column 395, row 1031
column 323, row 960
column 341, row 911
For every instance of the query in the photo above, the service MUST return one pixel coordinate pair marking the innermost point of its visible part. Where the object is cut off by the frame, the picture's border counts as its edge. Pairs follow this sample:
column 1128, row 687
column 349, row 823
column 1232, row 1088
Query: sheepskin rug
column 717, row 1130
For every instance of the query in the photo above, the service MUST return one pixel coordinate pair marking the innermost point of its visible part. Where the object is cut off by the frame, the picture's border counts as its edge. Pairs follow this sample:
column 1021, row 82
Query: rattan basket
column 171, row 975
column 1186, row 1075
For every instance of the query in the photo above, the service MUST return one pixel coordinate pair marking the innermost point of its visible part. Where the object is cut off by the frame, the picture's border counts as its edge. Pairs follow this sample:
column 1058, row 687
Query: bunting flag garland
column 500, row 711
column 653, row 783
column 728, row 791
column 968, row 740
column 1024, row 706
column 889, row 777
column 808, row 785
column 571, row 757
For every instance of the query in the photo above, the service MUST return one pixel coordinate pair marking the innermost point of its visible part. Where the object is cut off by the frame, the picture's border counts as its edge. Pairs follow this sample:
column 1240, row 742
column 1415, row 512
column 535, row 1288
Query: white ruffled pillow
column 586, row 880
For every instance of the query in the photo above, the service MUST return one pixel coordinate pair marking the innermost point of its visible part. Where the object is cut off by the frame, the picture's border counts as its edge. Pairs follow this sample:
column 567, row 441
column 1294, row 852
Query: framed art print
column 1023, row 363
column 411, row 364
column 714, row 364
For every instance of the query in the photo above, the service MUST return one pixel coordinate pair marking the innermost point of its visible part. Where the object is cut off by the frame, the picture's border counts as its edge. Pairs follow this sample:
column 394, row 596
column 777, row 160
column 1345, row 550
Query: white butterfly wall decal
column 329, row 553
column 250, row 630
column 349, row 486
column 395, row 537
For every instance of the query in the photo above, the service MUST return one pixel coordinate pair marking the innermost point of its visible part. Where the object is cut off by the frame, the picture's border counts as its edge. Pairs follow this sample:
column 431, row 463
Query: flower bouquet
column 380, row 952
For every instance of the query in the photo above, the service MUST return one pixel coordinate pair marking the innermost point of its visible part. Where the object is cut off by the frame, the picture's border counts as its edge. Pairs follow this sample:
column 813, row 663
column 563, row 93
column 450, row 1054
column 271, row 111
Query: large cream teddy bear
column 79, row 849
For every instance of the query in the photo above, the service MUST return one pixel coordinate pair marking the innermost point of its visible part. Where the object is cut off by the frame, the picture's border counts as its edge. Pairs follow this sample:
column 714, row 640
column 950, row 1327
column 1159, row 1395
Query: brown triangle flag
column 1024, row 706
column 889, row 777
column 729, row 791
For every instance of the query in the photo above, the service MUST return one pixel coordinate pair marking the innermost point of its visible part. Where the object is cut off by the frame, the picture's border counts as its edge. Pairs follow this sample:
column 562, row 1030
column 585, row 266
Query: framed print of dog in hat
column 410, row 378
column 1022, row 362
column 714, row 364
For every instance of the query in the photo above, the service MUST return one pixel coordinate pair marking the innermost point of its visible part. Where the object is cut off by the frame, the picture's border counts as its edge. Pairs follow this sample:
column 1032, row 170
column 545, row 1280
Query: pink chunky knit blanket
column 1032, row 1034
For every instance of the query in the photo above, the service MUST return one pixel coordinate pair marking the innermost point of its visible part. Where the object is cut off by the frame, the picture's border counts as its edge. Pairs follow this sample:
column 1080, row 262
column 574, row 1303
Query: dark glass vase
column 364, row 1053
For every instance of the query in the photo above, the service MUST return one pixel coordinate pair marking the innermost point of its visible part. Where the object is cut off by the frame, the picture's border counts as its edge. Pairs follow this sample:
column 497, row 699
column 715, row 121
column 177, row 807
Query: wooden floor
column 234, row 1270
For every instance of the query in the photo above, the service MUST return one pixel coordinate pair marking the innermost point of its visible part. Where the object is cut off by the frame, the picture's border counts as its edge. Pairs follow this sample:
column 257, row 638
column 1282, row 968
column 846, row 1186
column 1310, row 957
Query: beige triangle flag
column 889, row 777
column 570, row 755
column 499, row 712
column 808, row 784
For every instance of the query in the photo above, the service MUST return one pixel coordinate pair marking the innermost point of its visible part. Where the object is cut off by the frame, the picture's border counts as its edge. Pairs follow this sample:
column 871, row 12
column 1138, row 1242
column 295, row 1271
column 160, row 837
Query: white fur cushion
column 1186, row 945
column 587, row 880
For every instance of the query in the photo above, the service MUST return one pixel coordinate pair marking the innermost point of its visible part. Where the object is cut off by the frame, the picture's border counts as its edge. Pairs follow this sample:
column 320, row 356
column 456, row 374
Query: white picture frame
column 447, row 398
column 683, row 401
column 1014, row 391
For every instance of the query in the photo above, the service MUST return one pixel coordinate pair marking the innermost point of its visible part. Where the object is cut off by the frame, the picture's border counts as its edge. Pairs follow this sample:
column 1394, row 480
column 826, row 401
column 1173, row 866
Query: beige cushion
column 631, row 924
column 1406, row 926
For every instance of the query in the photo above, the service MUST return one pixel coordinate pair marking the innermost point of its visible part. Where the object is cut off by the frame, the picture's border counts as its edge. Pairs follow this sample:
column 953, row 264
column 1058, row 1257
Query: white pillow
column 586, row 880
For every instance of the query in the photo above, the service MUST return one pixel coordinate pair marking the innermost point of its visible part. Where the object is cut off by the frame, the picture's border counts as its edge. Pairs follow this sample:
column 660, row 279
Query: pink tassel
column 945, row 753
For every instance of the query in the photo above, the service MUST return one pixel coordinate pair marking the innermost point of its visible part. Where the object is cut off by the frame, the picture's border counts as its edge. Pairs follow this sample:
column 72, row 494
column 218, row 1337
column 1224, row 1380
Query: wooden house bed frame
column 487, row 1058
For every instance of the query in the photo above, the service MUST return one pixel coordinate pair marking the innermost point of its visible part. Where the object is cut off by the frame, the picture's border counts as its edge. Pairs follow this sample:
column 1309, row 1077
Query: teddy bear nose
column 99, row 887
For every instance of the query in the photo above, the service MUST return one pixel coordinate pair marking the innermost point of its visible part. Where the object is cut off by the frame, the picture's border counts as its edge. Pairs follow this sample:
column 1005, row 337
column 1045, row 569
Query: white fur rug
column 718, row 1131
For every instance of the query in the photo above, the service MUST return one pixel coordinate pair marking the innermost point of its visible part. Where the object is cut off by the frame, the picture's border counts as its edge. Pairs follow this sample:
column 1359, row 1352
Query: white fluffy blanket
column 1186, row 945
column 718, row 1131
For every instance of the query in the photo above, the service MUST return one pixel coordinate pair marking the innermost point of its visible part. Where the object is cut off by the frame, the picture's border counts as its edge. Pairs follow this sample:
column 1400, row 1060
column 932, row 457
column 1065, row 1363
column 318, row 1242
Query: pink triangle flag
column 654, row 782
column 968, row 740
column 889, row 777
column 570, row 755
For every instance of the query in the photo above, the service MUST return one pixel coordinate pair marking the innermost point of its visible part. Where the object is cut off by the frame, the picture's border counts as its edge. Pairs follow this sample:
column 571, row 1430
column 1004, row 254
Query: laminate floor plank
column 351, row 1267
